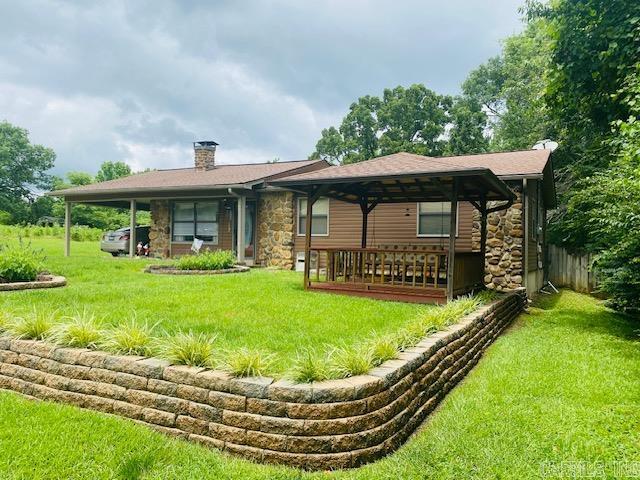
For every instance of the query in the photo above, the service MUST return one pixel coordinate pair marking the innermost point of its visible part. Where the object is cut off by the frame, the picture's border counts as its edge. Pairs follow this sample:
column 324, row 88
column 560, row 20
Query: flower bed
column 172, row 270
column 42, row 281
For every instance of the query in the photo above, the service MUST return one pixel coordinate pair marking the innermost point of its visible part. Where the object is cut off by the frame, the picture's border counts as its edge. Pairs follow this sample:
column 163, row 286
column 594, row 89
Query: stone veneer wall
column 160, row 231
column 275, row 230
column 504, row 252
column 324, row 425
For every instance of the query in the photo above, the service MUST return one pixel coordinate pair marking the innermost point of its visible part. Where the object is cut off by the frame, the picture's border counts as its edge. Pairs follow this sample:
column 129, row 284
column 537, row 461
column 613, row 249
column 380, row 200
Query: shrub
column 130, row 338
column 36, row 326
column 189, row 349
column 348, row 361
column 20, row 262
column 246, row 362
column 308, row 367
column 81, row 331
column 383, row 349
column 217, row 260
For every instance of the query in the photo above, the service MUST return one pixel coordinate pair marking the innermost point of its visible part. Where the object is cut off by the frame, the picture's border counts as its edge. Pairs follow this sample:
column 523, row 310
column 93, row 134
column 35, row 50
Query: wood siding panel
column 389, row 224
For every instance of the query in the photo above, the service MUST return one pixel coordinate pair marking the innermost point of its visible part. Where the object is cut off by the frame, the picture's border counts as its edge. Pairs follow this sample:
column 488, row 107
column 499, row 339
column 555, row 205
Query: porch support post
column 452, row 238
column 311, row 199
column 525, row 230
column 67, row 229
column 483, row 233
column 242, row 202
column 364, row 204
column 132, row 229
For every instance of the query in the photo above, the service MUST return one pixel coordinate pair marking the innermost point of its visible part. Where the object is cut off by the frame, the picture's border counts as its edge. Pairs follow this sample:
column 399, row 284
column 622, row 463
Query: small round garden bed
column 42, row 281
column 172, row 270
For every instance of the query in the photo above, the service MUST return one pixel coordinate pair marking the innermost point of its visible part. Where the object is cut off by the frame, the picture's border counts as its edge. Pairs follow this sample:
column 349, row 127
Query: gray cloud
column 139, row 81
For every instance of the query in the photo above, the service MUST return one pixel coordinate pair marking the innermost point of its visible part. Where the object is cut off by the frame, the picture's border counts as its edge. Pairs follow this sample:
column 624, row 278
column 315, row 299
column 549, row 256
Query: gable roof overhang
column 186, row 182
column 474, row 185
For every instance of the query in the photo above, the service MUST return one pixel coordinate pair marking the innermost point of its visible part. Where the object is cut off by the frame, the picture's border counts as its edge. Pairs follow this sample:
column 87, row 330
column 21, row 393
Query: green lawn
column 264, row 309
column 561, row 385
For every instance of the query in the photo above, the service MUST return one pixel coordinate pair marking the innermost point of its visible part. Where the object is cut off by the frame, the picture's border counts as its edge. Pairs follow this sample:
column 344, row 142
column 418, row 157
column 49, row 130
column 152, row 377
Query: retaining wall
column 323, row 425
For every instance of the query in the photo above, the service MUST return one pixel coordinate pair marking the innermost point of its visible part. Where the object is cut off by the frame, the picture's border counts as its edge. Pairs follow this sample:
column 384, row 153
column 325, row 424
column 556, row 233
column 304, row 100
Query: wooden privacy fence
column 569, row 270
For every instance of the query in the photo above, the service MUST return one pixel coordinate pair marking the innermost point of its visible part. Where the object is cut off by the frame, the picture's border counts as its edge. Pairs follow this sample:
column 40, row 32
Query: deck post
column 452, row 238
column 67, row 229
column 132, row 229
column 483, row 233
column 364, row 204
column 307, row 240
column 241, row 205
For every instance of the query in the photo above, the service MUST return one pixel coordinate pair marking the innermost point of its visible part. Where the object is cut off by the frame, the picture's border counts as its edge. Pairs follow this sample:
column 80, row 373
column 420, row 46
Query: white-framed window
column 195, row 220
column 434, row 219
column 320, row 212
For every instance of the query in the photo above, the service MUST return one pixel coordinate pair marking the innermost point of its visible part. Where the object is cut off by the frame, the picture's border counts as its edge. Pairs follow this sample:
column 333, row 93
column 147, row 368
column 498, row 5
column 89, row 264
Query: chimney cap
column 205, row 143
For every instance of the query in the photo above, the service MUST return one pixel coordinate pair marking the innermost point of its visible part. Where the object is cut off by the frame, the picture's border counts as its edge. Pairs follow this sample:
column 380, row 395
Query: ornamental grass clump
column 20, row 262
column 247, row 362
column 309, row 366
column 81, row 330
column 383, row 349
column 36, row 326
column 130, row 338
column 188, row 348
column 216, row 260
column 349, row 361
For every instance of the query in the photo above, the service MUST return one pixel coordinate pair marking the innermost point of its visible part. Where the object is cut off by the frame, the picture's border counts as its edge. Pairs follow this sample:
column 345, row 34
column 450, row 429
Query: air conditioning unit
column 300, row 261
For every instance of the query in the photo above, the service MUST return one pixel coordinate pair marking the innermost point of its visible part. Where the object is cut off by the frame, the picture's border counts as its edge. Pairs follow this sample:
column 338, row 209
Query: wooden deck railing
column 398, row 268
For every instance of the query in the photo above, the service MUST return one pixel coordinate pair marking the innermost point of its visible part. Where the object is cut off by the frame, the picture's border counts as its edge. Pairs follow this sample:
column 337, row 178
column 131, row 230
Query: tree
column 409, row 119
column 23, row 168
column 112, row 170
column 511, row 86
column 467, row 133
column 594, row 51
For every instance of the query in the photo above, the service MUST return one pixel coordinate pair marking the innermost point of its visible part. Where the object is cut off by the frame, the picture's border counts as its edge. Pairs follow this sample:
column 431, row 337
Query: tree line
column 24, row 178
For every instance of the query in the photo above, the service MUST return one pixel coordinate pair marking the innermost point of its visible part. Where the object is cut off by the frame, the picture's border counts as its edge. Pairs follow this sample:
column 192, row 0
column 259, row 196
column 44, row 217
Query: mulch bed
column 171, row 270
column 43, row 281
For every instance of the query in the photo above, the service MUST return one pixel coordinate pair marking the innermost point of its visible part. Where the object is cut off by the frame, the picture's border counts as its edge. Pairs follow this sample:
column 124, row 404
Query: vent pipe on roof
column 205, row 155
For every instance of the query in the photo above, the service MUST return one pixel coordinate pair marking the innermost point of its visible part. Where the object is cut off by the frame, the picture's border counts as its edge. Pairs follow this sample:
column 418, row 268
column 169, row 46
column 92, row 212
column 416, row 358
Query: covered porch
column 399, row 272
column 224, row 219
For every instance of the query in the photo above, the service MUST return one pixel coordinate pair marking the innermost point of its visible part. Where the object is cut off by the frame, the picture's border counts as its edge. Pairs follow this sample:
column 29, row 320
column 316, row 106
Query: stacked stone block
column 322, row 425
column 276, row 230
column 505, row 246
column 160, row 230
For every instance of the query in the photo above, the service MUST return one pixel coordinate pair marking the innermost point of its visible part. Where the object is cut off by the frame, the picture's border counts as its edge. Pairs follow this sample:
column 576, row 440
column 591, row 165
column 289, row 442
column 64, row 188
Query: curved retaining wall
column 323, row 425
column 43, row 281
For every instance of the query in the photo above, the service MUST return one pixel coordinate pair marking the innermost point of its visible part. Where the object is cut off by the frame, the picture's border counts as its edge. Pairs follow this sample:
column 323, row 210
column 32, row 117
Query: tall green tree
column 511, row 87
column 23, row 170
column 409, row 119
column 468, row 125
column 594, row 52
column 112, row 170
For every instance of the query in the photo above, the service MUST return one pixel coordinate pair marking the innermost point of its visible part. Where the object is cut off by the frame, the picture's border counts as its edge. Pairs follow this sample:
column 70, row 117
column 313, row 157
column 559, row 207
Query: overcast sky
column 138, row 81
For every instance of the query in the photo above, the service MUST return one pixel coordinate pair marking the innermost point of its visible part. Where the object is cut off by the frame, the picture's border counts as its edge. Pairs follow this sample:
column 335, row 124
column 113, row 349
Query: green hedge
column 217, row 260
column 78, row 233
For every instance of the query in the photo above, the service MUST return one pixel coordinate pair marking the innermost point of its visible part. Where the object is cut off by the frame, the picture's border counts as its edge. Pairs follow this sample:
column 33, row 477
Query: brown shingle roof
column 526, row 162
column 221, row 176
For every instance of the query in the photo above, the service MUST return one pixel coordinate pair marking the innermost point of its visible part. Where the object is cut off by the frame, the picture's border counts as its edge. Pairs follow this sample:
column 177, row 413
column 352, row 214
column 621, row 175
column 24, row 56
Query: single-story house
column 380, row 227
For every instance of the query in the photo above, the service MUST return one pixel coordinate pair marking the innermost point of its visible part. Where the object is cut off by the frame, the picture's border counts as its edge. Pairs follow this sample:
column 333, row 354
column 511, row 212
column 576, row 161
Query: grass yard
column 262, row 309
column 561, row 385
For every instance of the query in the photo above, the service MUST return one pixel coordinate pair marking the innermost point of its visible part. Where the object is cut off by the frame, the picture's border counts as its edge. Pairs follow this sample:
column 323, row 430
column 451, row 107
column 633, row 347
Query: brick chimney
column 205, row 155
